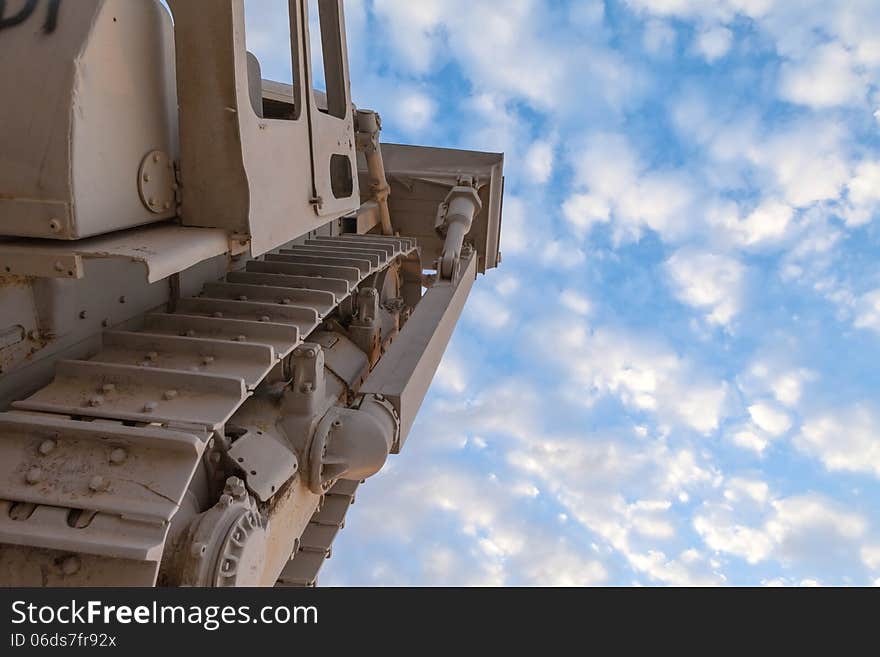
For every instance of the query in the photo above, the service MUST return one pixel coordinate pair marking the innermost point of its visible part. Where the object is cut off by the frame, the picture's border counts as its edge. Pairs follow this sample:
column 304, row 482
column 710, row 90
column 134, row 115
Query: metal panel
column 421, row 177
column 281, row 337
column 247, row 361
column 141, row 394
column 339, row 288
column 163, row 250
column 110, row 468
column 75, row 125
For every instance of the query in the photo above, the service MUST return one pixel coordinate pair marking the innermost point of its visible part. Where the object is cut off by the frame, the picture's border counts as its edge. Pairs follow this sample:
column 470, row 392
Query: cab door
column 329, row 109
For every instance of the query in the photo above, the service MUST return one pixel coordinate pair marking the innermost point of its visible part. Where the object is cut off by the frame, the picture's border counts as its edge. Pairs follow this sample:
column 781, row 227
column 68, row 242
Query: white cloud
column 827, row 78
column 769, row 418
column 750, row 440
column 769, row 221
column 769, row 376
column 868, row 311
column 576, row 302
column 871, row 556
column 451, row 375
column 612, row 182
column 863, row 194
column 707, row 281
column 739, row 488
column 584, row 210
column 659, row 37
column 714, row 42
column 413, row 111
column 643, row 375
column 799, row 528
column 539, row 161
column 847, row 440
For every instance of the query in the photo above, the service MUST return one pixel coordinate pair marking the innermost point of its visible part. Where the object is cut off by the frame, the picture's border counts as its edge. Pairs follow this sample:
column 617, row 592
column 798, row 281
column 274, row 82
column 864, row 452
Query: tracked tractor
column 222, row 298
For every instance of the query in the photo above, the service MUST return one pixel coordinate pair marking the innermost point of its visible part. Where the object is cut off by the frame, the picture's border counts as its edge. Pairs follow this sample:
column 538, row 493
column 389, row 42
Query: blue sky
column 672, row 379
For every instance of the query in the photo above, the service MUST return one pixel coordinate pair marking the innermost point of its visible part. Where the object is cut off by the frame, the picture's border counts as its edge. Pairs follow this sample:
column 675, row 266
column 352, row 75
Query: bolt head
column 207, row 360
column 108, row 388
column 55, row 226
column 152, row 356
column 34, row 476
column 225, row 500
column 98, row 484
column 306, row 388
column 118, row 456
column 47, row 447
column 149, row 407
column 241, row 338
column 96, row 401
column 198, row 550
column 311, row 353
column 70, row 565
column 169, row 395
column 235, row 487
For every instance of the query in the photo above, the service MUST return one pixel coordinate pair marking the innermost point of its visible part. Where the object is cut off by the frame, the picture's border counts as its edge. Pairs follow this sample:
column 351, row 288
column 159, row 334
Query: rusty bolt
column 169, row 395
column 34, row 476
column 152, row 201
column 47, row 447
column 70, row 565
column 149, row 407
column 118, row 456
column 235, row 487
column 146, row 177
column 153, row 356
column 98, row 484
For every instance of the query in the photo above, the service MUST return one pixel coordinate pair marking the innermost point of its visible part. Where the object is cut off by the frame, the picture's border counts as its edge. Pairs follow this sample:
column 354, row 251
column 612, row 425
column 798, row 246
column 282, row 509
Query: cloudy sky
column 672, row 379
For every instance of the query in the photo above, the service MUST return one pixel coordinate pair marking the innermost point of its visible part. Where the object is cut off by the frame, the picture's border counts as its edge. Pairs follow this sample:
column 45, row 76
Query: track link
column 128, row 426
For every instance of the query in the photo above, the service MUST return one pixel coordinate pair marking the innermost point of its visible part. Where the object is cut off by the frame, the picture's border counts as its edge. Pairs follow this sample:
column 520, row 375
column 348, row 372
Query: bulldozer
column 222, row 298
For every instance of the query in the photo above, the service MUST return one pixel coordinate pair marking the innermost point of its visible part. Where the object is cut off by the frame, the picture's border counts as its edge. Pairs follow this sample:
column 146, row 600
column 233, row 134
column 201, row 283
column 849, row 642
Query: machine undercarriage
column 209, row 424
